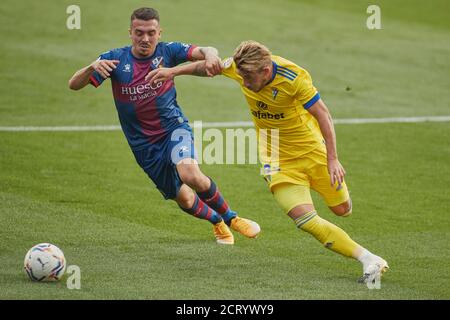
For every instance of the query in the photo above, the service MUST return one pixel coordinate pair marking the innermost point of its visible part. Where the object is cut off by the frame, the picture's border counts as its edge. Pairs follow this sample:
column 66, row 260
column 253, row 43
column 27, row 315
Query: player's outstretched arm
column 81, row 78
column 320, row 111
column 213, row 63
column 209, row 65
column 163, row 74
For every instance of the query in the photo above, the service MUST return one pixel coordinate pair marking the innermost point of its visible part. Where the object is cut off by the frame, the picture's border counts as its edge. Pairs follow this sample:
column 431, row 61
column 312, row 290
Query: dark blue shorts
column 159, row 160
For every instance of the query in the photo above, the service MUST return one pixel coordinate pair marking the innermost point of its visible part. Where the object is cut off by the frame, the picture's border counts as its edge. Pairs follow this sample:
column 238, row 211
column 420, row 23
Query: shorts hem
column 334, row 204
column 297, row 183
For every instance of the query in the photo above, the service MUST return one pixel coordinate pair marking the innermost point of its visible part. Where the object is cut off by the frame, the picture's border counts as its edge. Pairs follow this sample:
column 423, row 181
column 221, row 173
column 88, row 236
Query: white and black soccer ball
column 45, row 262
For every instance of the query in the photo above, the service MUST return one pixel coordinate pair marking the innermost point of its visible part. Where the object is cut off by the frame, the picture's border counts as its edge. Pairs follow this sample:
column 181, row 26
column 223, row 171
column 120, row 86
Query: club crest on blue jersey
column 157, row 61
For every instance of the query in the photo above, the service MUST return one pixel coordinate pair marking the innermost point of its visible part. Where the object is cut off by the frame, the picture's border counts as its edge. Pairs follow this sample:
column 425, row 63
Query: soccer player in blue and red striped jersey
column 154, row 125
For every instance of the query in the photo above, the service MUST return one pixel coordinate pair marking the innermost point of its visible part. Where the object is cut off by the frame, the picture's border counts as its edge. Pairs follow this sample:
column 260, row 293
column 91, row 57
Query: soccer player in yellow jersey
column 281, row 96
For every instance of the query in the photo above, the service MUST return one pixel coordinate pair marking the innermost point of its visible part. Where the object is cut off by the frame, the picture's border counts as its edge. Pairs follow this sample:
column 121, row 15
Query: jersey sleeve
column 305, row 91
column 96, row 79
column 229, row 69
column 179, row 53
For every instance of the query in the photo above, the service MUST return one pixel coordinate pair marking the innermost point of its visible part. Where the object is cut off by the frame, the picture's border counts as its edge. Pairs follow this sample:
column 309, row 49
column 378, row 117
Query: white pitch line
column 232, row 124
column 394, row 120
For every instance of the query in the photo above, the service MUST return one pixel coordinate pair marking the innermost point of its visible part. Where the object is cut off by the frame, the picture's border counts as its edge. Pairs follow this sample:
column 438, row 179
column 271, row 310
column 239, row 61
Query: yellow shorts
column 292, row 181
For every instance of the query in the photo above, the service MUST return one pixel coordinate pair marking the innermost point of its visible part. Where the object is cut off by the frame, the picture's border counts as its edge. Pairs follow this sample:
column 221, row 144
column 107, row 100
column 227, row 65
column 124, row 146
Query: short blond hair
column 252, row 56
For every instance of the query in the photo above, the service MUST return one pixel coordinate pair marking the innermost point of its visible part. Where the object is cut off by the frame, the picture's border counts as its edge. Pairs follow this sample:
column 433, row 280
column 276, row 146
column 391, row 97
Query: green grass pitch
column 84, row 192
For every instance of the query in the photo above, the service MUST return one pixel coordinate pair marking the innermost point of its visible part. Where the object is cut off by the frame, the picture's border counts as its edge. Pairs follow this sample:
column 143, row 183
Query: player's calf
column 214, row 198
column 189, row 202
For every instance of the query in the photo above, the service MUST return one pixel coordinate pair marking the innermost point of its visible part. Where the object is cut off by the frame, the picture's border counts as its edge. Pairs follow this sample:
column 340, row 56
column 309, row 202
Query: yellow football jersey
column 282, row 104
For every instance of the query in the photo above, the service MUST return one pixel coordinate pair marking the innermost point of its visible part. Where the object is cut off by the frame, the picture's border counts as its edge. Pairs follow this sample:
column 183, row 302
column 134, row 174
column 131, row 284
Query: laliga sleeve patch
column 227, row 63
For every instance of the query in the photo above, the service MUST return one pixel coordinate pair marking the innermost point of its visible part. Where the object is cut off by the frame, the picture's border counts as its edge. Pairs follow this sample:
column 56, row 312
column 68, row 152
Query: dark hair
column 145, row 14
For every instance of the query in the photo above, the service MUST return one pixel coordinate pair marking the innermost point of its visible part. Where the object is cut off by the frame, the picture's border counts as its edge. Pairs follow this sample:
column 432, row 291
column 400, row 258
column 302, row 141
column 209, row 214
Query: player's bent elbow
column 72, row 85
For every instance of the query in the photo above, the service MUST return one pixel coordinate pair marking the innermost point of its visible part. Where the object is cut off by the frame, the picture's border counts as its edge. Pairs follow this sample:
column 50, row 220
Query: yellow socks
column 331, row 236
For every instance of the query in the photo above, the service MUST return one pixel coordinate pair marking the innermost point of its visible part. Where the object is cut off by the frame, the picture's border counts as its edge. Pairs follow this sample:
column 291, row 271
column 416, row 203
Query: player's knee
column 187, row 176
column 347, row 213
column 299, row 211
column 196, row 180
column 343, row 210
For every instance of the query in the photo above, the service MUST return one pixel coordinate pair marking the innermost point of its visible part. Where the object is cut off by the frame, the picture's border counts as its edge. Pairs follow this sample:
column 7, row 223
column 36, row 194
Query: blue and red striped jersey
column 147, row 112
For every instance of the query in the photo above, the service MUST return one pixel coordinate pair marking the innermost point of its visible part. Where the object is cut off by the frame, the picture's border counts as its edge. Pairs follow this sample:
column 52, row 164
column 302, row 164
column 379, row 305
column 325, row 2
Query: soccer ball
column 44, row 262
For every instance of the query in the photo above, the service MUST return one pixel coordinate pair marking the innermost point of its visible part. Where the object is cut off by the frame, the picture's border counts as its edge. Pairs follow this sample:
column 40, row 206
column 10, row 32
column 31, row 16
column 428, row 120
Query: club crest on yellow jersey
column 274, row 93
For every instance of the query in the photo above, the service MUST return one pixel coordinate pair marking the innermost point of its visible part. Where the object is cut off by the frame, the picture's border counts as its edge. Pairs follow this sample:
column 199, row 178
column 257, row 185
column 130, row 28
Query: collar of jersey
column 274, row 72
column 143, row 59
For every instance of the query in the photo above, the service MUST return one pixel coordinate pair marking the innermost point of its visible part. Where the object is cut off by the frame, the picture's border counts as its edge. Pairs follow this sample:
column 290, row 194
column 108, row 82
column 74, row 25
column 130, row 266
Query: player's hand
column 213, row 65
column 336, row 171
column 104, row 67
column 159, row 75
